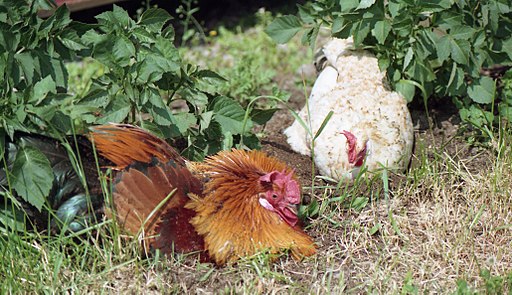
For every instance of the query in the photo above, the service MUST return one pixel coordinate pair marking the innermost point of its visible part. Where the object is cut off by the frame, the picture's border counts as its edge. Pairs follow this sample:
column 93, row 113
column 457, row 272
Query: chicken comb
column 125, row 144
column 354, row 157
column 284, row 182
column 139, row 202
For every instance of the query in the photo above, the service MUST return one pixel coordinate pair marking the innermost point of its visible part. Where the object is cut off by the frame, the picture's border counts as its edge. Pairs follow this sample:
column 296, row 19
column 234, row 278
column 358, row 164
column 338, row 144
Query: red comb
column 285, row 181
column 354, row 157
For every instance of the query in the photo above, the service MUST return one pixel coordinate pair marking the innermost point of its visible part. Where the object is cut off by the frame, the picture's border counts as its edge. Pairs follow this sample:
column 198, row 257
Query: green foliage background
column 428, row 48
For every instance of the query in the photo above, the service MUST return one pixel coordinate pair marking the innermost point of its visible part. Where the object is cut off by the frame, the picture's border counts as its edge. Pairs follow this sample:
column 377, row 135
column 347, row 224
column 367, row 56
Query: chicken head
column 282, row 195
column 355, row 157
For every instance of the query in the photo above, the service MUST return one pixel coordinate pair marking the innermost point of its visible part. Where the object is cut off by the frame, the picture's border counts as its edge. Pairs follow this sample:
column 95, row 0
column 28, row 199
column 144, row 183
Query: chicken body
column 239, row 214
column 370, row 123
column 232, row 205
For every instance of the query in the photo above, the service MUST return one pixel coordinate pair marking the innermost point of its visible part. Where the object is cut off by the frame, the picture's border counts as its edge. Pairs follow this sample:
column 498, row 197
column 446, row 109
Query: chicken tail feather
column 125, row 144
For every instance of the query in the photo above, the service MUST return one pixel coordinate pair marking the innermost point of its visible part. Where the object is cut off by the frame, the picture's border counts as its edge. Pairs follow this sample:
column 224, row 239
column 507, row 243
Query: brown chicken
column 234, row 204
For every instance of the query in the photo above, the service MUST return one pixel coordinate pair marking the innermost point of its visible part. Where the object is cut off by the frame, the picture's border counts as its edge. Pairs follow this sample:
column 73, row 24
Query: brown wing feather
column 125, row 144
column 141, row 187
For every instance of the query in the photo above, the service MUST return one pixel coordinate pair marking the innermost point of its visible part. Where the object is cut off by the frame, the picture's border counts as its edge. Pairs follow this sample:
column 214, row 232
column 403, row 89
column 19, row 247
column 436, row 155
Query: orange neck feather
column 230, row 217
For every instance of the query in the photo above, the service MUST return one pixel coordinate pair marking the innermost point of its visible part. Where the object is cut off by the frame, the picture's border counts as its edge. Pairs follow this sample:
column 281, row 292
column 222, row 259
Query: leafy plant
column 248, row 60
column 140, row 78
column 436, row 47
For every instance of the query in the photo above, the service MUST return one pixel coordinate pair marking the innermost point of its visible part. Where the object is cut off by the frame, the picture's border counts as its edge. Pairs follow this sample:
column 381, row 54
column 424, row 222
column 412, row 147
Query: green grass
column 445, row 228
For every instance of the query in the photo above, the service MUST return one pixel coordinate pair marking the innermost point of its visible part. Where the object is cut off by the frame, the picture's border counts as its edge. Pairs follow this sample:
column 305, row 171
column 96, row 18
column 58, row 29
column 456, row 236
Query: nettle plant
column 145, row 80
column 428, row 48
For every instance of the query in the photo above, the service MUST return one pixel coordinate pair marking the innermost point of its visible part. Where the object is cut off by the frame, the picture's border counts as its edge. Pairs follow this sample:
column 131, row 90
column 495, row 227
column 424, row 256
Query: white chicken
column 371, row 125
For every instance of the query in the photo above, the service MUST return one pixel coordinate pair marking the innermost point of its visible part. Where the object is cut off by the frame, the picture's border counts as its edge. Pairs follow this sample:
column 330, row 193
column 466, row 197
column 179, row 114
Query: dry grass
column 442, row 223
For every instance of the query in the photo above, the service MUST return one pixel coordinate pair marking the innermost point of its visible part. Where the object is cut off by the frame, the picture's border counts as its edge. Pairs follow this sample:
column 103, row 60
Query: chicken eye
column 274, row 196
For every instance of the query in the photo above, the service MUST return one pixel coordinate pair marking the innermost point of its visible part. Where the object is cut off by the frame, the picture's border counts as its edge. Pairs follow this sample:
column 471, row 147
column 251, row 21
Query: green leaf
column 283, row 28
column 420, row 72
column 195, row 97
column 229, row 114
column 57, row 21
column 359, row 203
column 482, row 90
column 93, row 37
column 347, row 5
column 143, row 36
column 71, row 40
column 42, row 88
column 305, row 16
column 118, row 18
column 168, row 55
column 154, row 19
column 117, row 111
column 406, row 88
column 363, row 4
column 123, row 50
column 381, row 30
column 408, row 57
column 149, row 70
column 360, row 30
column 395, row 8
column 435, row 5
column 460, row 51
column 184, row 121
column 456, row 81
column 163, row 116
column 153, row 96
column 204, row 120
column 310, row 35
column 28, row 65
column 322, row 126
column 161, row 59
column 59, row 73
column 505, row 111
column 507, row 47
column 462, row 32
column 260, row 116
column 12, row 217
column 32, row 176
column 448, row 19
column 443, row 48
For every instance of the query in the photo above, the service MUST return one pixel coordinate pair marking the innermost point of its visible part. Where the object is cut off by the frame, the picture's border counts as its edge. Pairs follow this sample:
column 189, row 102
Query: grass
column 444, row 227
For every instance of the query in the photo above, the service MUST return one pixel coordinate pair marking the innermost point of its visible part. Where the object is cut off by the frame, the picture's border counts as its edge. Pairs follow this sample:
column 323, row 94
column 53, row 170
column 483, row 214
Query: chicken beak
column 293, row 207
